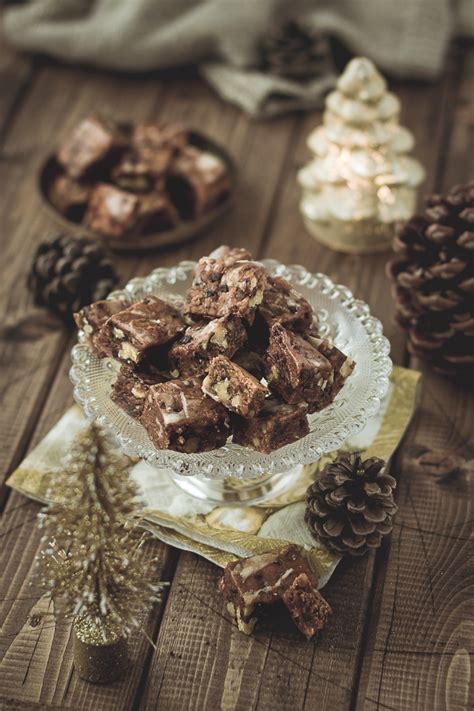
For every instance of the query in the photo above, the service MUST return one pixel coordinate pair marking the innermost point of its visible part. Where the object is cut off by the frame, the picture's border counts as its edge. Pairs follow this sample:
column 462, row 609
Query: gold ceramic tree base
column 100, row 652
column 362, row 237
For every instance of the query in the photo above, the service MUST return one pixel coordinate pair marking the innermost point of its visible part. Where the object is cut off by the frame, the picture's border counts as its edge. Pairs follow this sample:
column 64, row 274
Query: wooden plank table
column 402, row 634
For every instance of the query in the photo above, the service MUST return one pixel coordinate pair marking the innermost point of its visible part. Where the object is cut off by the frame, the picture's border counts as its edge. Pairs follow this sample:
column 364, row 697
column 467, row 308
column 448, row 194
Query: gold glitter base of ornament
column 96, row 660
column 361, row 237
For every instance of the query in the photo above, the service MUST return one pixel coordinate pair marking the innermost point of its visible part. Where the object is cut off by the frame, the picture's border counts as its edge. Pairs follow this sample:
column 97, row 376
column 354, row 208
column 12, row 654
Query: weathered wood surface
column 400, row 637
column 419, row 644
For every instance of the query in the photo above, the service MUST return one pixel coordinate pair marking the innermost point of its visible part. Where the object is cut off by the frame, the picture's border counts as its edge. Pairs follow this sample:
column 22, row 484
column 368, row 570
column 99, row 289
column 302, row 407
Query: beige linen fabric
column 407, row 38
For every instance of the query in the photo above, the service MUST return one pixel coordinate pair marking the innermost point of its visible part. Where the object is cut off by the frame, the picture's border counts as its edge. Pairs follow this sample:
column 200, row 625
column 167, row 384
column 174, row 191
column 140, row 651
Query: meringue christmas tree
column 360, row 181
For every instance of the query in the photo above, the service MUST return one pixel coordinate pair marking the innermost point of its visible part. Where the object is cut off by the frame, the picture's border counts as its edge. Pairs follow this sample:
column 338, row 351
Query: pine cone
column 433, row 275
column 295, row 52
column 350, row 507
column 68, row 273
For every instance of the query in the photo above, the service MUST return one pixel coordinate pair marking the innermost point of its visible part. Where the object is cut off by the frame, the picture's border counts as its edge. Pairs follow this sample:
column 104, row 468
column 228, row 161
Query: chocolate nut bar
column 219, row 290
column 131, row 387
column 92, row 148
column 230, row 255
column 153, row 149
column 342, row 364
column 282, row 575
column 307, row 607
column 112, row 212
column 177, row 415
column 142, row 169
column 194, row 349
column 296, row 370
column 233, row 352
column 155, row 214
column 150, row 138
column 131, row 334
column 251, row 361
column 91, row 318
column 197, row 181
column 235, row 388
column 69, row 196
column 133, row 174
column 276, row 425
column 284, row 304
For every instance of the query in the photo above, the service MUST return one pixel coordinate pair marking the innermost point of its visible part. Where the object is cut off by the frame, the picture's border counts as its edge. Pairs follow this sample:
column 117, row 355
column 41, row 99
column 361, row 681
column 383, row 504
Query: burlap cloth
column 407, row 38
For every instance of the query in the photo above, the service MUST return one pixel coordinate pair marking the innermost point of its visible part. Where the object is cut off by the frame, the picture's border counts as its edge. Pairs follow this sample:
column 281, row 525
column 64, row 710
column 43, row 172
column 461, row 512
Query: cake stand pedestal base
column 234, row 491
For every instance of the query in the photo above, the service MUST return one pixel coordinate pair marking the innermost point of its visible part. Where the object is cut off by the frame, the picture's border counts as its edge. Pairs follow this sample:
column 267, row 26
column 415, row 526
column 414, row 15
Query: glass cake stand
column 235, row 474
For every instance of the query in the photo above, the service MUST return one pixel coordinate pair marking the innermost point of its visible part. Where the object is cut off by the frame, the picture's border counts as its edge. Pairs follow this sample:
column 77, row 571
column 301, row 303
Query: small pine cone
column 350, row 507
column 433, row 278
column 295, row 51
column 68, row 273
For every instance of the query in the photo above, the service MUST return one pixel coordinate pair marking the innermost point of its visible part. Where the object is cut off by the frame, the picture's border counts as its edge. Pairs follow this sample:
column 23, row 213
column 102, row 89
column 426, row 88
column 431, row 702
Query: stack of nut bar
column 240, row 356
column 133, row 180
column 252, row 584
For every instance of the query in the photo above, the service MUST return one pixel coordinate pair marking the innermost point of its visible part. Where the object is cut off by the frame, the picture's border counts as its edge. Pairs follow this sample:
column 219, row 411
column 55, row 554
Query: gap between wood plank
column 20, row 72
column 459, row 60
column 20, row 95
column 29, row 72
column 272, row 213
column 168, row 573
column 61, row 355
column 258, row 252
column 30, row 427
column 267, row 231
column 449, row 94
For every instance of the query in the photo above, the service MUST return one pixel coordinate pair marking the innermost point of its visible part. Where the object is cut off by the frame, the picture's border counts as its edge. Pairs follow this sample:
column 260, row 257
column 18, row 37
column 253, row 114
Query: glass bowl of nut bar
column 230, row 372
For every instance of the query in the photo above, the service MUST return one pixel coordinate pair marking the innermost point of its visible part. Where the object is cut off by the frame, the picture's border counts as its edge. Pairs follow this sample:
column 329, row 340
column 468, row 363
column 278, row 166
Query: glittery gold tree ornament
column 360, row 181
column 92, row 564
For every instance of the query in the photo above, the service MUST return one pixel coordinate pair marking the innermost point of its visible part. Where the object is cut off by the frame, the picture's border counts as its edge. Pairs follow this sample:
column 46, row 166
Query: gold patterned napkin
column 222, row 533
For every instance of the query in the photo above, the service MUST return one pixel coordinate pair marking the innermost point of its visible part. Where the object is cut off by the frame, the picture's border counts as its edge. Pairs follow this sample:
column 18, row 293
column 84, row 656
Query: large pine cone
column 68, row 273
column 433, row 275
column 350, row 507
column 296, row 52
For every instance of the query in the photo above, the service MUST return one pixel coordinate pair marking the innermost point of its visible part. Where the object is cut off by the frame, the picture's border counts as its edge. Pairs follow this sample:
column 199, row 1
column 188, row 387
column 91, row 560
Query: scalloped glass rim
column 346, row 320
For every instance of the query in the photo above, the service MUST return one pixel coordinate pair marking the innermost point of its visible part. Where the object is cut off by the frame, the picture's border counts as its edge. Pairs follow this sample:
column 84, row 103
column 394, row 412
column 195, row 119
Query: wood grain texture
column 31, row 357
column 71, row 94
column 456, row 165
column 421, row 628
column 275, row 669
column 419, row 652
column 16, row 74
column 20, row 538
column 30, row 344
column 60, row 685
column 401, row 630
column 287, row 671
